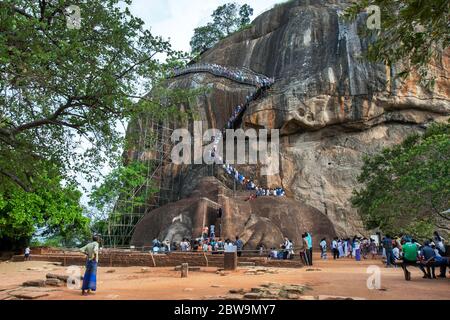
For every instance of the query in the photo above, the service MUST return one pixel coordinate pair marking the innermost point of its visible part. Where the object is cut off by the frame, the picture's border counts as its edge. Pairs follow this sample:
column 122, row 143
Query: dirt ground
column 342, row 277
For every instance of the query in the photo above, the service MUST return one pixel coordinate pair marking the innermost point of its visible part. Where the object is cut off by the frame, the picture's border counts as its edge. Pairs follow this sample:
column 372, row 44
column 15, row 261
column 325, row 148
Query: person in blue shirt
column 429, row 256
column 310, row 248
column 239, row 245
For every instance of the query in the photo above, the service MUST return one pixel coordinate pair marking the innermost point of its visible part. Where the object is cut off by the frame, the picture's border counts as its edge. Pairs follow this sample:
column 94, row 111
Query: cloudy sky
column 177, row 19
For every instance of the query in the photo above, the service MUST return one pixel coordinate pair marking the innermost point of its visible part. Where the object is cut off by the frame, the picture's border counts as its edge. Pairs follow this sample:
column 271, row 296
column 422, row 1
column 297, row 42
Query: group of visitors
column 162, row 247
column 250, row 185
column 285, row 251
column 406, row 251
column 348, row 248
column 231, row 73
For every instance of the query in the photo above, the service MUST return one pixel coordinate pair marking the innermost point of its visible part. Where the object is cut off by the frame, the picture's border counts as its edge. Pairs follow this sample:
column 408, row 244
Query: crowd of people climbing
column 234, row 74
column 248, row 184
column 263, row 83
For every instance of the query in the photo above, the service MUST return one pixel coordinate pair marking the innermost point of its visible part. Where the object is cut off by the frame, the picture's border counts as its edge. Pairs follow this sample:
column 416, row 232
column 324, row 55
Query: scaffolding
column 151, row 146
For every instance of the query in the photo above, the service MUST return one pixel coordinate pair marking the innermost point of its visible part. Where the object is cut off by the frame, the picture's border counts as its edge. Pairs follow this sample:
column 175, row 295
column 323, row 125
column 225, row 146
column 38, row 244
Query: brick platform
column 128, row 259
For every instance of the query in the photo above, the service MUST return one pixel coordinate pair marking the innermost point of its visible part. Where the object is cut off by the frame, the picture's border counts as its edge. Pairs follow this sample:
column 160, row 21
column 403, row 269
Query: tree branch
column 15, row 179
column 17, row 10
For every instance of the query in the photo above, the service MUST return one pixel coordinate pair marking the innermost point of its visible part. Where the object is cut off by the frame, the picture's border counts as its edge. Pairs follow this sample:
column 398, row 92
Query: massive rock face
column 263, row 221
column 331, row 106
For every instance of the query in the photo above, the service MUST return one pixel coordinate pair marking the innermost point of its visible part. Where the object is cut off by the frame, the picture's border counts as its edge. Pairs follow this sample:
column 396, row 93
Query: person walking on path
column 239, row 245
column 387, row 245
column 310, row 247
column 334, row 248
column 27, row 253
column 304, row 252
column 323, row 249
column 90, row 276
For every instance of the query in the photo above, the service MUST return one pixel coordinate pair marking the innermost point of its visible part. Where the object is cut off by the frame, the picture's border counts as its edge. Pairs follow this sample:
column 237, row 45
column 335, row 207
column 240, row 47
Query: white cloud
column 177, row 19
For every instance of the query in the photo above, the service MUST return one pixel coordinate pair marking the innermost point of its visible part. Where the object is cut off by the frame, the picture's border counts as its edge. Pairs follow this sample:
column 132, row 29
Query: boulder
column 331, row 106
column 54, row 282
column 34, row 283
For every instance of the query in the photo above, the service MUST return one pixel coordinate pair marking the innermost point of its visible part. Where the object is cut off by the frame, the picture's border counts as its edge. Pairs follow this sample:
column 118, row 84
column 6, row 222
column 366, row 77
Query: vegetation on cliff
column 413, row 33
column 406, row 188
column 227, row 19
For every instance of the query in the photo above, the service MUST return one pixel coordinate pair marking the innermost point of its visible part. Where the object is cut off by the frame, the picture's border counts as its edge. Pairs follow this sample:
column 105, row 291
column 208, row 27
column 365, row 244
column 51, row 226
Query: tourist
column 410, row 256
column 310, row 247
column 27, row 254
column 304, row 251
column 212, row 232
column 205, row 232
column 155, row 242
column 396, row 255
column 273, row 253
column 345, row 248
column 239, row 245
column 90, row 275
column 441, row 262
column 183, row 245
column 350, row 248
column 373, row 248
column 167, row 246
column 323, row 249
column 341, row 248
column 261, row 249
column 357, row 246
column 334, row 248
column 387, row 245
column 427, row 257
column 439, row 242
column 287, row 248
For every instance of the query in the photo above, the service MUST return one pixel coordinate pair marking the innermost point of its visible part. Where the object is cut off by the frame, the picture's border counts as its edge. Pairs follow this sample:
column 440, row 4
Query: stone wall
column 130, row 259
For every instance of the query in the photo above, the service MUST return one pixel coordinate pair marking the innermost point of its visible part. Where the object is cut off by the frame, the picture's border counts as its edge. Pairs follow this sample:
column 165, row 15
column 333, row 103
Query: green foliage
column 61, row 85
column 407, row 187
column 227, row 19
column 63, row 93
column 50, row 206
column 127, row 182
column 414, row 32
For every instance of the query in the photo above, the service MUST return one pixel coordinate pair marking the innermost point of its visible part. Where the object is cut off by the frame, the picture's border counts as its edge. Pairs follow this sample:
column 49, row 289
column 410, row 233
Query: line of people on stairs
column 256, row 79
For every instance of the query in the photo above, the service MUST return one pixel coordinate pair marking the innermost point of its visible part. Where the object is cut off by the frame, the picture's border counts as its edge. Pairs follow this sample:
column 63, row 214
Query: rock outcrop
column 331, row 106
column 263, row 221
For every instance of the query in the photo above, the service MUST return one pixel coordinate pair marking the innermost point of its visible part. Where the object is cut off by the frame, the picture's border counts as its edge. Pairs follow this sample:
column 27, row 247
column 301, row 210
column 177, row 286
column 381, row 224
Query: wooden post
column 184, row 270
column 65, row 261
column 230, row 261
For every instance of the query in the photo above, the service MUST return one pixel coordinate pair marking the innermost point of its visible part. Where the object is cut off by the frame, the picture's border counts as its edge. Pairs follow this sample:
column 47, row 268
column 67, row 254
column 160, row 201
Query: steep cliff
column 331, row 105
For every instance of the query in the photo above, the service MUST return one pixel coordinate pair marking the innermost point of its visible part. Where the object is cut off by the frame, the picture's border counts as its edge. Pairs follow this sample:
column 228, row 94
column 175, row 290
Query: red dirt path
column 338, row 278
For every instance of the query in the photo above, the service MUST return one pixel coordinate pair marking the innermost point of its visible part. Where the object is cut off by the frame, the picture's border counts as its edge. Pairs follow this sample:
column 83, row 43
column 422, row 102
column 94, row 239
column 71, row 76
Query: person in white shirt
column 323, row 249
column 27, row 253
column 334, row 248
column 396, row 252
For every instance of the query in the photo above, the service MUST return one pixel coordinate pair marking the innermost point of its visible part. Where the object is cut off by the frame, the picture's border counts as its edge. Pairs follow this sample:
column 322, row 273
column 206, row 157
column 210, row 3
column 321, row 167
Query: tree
column 406, row 188
column 61, row 86
column 50, row 206
column 414, row 33
column 227, row 19
column 63, row 92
